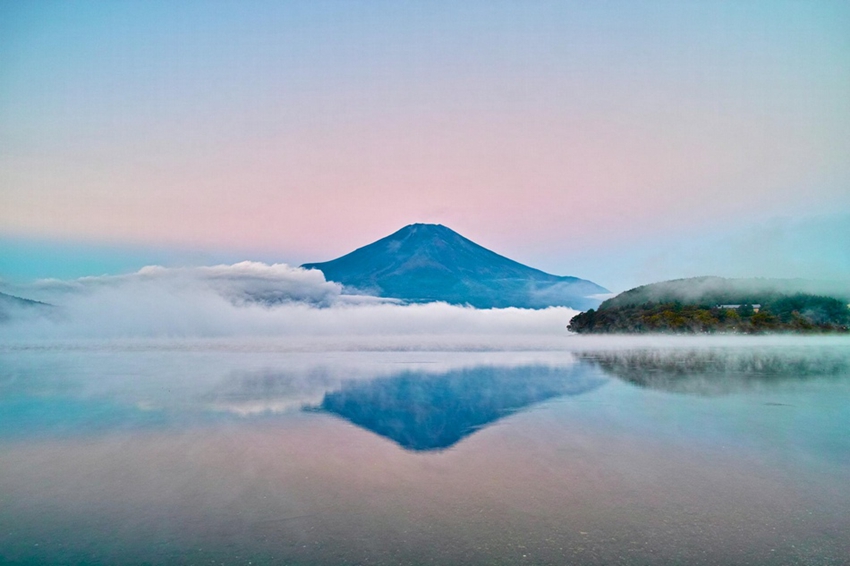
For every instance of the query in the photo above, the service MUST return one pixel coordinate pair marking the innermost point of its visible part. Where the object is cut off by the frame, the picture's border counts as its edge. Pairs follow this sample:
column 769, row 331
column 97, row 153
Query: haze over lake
column 601, row 451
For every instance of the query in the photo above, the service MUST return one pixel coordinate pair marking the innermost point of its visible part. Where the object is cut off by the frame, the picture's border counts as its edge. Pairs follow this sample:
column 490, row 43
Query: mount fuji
column 430, row 262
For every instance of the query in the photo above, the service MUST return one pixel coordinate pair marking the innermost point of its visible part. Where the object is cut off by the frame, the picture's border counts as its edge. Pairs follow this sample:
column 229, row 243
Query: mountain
column 429, row 262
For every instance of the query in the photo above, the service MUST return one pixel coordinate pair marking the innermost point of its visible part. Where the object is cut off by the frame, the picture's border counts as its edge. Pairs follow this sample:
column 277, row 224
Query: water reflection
column 58, row 393
column 432, row 412
column 435, row 401
column 184, row 456
column 270, row 390
column 718, row 372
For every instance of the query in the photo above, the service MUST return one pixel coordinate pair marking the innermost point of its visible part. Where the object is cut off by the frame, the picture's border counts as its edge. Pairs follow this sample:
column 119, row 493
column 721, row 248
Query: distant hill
column 720, row 290
column 715, row 304
column 11, row 305
column 429, row 262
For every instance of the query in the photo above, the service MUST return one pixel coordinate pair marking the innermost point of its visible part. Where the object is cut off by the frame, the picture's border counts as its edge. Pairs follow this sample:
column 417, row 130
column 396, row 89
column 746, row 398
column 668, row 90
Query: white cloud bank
column 252, row 299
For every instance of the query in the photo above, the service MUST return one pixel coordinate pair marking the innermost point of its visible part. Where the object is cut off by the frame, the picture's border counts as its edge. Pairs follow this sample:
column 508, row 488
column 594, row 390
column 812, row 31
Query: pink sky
column 306, row 131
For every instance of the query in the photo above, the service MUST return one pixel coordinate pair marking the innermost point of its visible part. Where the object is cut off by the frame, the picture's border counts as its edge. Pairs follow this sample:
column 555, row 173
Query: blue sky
column 617, row 141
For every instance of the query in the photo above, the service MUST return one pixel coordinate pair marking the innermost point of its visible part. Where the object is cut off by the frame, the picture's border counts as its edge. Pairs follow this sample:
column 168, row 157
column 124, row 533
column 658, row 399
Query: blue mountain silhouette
column 430, row 262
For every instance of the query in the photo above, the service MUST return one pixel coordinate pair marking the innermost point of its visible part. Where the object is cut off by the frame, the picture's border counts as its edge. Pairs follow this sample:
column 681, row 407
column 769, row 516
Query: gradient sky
column 623, row 142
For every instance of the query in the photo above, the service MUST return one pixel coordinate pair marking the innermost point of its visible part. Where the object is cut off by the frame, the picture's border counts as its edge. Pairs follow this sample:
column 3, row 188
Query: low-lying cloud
column 241, row 283
column 249, row 299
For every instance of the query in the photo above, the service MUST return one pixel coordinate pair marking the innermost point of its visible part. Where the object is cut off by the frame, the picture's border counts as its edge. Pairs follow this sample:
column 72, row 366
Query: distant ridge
column 430, row 262
column 10, row 305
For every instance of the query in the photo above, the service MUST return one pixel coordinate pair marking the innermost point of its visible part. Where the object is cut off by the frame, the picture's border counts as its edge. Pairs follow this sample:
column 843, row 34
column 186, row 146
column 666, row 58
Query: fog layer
column 247, row 299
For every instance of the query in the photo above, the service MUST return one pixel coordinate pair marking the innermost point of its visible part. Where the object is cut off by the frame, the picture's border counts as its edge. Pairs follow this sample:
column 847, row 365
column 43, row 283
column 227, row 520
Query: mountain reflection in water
column 697, row 452
column 423, row 412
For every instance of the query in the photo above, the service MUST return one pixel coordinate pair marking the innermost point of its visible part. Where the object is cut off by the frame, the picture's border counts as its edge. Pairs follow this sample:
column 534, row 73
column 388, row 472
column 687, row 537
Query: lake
column 580, row 451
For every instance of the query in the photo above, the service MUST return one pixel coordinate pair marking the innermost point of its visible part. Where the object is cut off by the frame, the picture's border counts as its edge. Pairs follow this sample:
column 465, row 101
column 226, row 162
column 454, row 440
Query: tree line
column 783, row 313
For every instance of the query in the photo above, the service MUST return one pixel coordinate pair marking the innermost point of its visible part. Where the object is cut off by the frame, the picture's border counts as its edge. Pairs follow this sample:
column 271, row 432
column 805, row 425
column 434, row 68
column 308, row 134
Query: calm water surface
column 185, row 452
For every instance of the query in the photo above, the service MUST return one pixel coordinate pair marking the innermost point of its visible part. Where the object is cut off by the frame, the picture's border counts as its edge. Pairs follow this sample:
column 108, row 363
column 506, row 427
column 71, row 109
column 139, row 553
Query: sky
column 622, row 142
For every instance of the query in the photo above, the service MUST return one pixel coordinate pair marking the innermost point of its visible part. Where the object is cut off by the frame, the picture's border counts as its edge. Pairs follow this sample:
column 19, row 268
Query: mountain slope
column 429, row 262
column 11, row 305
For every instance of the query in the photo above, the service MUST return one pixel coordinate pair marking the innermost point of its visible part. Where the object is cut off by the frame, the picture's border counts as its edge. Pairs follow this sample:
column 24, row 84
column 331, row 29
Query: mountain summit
column 429, row 262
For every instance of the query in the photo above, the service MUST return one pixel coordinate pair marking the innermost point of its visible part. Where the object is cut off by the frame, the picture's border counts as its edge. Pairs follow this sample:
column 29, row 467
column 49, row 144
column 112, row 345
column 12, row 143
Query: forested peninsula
column 717, row 305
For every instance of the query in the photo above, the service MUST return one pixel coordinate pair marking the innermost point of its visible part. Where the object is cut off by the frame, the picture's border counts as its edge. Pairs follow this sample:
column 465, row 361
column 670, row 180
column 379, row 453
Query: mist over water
column 246, row 299
column 256, row 413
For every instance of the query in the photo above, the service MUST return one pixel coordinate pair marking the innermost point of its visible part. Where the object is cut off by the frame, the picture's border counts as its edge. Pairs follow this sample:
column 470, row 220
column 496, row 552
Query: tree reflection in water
column 709, row 372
